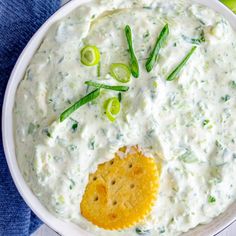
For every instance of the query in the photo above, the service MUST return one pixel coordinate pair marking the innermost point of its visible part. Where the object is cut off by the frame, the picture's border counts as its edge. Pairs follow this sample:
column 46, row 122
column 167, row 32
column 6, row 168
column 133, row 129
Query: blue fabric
column 19, row 19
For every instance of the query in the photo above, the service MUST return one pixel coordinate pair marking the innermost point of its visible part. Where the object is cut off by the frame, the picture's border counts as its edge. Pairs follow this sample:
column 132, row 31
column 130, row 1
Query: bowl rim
column 61, row 226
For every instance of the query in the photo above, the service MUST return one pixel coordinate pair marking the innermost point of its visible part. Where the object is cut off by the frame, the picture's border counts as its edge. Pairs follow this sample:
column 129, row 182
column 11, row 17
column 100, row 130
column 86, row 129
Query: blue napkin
column 19, row 19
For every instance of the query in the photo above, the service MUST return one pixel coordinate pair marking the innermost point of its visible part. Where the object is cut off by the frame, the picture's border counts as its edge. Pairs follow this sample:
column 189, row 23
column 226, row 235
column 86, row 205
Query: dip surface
column 189, row 122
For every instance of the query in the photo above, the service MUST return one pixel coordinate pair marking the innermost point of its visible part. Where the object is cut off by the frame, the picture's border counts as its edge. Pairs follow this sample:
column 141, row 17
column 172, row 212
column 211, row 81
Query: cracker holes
column 94, row 178
column 113, row 182
column 114, row 202
column 132, row 186
column 130, row 165
column 95, row 199
column 111, row 162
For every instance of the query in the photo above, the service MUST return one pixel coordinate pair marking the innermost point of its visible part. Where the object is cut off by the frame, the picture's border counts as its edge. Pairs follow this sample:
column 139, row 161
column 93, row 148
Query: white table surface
column 46, row 231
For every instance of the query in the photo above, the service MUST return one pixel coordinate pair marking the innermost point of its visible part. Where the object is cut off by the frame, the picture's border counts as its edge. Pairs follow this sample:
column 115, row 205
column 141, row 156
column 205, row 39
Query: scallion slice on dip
column 120, row 72
column 112, row 107
column 90, row 56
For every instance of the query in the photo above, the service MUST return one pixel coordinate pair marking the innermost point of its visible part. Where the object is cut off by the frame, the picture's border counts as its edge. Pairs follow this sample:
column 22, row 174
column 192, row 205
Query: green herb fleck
column 72, row 184
column 232, row 84
column 188, row 157
column 150, row 133
column 174, row 74
column 158, row 45
column 91, row 144
column 119, row 97
column 225, row 98
column 32, row 128
column 219, row 145
column 162, row 230
column 147, row 7
column 119, row 136
column 133, row 60
column 74, row 127
column 46, row 131
column 140, row 231
column 211, row 199
column 146, row 35
column 72, row 147
column 196, row 41
column 205, row 122
column 88, row 98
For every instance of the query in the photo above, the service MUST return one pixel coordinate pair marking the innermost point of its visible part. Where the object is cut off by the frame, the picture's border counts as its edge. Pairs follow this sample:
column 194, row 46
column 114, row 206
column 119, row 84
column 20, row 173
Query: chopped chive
column 133, row 60
column 155, row 52
column 104, row 86
column 88, row 98
column 178, row 69
column 119, row 97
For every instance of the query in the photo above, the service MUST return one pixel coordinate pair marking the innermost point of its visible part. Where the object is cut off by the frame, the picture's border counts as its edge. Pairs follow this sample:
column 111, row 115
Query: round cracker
column 122, row 191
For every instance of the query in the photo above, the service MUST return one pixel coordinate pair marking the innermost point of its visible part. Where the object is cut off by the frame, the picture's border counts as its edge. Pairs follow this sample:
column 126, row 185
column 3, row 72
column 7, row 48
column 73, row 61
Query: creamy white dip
column 190, row 121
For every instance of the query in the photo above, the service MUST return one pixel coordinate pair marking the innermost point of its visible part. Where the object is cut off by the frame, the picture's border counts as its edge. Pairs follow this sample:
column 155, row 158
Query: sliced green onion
column 112, row 106
column 90, row 55
column 104, row 86
column 120, row 72
column 155, row 52
column 88, row 98
column 231, row 4
column 133, row 60
column 178, row 69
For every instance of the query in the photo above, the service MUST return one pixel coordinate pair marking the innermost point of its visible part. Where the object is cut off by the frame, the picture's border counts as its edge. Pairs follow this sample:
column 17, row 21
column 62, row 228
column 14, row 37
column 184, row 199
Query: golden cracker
column 122, row 191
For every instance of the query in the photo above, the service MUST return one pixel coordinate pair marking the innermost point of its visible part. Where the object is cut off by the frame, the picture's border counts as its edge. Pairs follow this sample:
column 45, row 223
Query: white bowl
column 63, row 227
